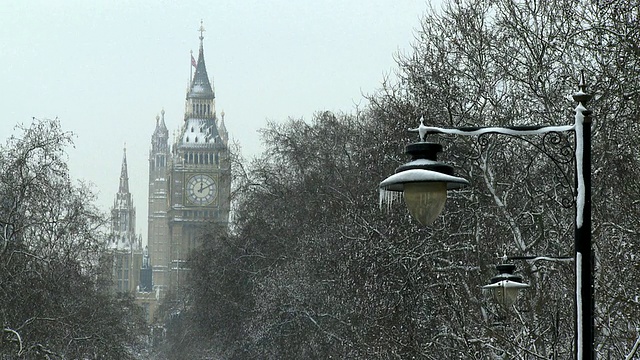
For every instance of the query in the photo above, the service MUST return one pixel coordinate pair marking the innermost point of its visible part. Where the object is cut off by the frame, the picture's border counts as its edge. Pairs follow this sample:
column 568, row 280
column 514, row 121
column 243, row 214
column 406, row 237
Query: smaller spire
column 124, row 177
column 161, row 127
column 223, row 129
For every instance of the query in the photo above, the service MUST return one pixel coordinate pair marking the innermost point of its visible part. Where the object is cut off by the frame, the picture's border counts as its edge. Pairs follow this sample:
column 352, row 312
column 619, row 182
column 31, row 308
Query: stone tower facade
column 124, row 247
column 158, row 230
column 189, row 182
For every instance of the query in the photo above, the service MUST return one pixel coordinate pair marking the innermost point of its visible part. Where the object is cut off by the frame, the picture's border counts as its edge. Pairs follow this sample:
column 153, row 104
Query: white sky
column 107, row 68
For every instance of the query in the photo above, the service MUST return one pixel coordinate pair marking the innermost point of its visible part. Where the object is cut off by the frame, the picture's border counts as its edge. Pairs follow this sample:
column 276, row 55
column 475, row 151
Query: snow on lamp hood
column 396, row 181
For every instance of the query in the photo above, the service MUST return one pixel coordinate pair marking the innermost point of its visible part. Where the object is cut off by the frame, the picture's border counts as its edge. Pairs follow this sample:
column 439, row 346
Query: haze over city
column 106, row 69
column 503, row 235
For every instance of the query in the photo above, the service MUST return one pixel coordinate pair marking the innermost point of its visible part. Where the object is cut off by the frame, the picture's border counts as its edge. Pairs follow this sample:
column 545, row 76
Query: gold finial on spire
column 201, row 31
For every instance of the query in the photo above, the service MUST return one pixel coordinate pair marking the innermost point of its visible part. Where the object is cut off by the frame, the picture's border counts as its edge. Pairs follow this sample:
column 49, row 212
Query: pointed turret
column 200, row 85
column 160, row 137
column 123, row 213
column 222, row 130
column 124, row 246
column 124, row 177
column 160, row 133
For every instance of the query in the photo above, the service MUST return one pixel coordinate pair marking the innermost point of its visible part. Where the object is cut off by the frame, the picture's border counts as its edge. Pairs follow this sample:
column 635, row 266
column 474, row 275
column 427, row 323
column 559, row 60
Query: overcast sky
column 107, row 68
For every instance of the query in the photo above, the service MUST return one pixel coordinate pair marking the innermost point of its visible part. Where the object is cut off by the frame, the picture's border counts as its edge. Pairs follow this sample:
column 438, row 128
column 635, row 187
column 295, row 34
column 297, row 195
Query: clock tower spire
column 200, row 98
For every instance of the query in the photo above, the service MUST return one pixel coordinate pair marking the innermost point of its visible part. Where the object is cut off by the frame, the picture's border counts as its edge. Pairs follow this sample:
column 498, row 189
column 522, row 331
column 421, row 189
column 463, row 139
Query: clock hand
column 210, row 185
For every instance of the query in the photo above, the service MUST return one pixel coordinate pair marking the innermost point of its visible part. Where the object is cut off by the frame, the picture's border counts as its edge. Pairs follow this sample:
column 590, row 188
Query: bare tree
column 312, row 268
column 514, row 63
column 53, row 304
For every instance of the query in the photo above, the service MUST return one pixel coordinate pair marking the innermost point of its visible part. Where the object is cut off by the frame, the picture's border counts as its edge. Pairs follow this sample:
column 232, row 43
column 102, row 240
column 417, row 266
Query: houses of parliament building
column 189, row 188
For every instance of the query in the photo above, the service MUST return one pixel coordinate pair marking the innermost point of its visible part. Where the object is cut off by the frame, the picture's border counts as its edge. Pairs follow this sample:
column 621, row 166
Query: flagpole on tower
column 191, row 68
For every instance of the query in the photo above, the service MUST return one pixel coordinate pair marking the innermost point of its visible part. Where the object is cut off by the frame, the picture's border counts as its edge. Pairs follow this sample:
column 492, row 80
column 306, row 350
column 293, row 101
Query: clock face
column 201, row 189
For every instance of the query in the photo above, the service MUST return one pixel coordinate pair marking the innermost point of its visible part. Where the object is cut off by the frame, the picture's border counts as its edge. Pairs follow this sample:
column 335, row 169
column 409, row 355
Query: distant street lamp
column 424, row 182
column 505, row 287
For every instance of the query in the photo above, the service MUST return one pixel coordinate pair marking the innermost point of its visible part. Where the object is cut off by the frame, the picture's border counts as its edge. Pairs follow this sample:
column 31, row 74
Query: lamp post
column 432, row 184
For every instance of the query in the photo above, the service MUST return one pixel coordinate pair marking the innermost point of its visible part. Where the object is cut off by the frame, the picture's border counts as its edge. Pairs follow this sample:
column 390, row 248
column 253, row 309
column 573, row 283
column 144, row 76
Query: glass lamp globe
column 506, row 292
column 425, row 201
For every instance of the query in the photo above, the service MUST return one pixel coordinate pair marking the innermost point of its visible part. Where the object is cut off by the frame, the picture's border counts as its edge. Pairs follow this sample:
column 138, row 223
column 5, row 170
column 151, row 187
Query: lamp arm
column 550, row 135
column 506, row 130
column 565, row 259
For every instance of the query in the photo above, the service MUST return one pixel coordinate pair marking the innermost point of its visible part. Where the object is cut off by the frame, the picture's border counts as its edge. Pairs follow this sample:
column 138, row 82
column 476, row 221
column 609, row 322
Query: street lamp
column 505, row 287
column 584, row 301
column 423, row 181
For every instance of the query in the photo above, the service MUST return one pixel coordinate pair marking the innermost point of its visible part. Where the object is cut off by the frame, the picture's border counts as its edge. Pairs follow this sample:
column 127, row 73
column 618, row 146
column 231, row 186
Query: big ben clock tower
column 198, row 181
